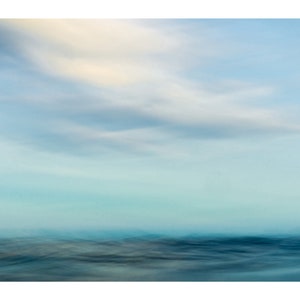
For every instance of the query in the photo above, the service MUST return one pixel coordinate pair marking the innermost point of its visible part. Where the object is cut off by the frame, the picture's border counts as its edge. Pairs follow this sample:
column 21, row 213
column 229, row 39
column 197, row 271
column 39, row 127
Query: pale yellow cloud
column 99, row 52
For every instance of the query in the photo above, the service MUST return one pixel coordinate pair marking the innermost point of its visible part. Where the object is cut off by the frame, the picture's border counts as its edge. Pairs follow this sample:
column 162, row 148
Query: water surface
column 150, row 259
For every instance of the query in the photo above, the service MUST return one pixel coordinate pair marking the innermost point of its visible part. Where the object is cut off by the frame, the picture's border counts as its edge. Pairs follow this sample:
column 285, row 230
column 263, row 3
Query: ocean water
column 150, row 259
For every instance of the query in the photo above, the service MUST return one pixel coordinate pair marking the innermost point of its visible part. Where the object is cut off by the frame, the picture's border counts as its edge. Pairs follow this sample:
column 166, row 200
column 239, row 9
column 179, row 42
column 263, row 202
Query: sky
column 157, row 125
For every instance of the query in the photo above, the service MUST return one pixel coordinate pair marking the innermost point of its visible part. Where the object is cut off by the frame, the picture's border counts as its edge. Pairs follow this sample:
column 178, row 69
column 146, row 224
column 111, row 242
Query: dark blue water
column 150, row 259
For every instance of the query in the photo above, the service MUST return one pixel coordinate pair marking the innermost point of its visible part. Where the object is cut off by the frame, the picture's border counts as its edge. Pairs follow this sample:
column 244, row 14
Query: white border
column 150, row 291
column 149, row 9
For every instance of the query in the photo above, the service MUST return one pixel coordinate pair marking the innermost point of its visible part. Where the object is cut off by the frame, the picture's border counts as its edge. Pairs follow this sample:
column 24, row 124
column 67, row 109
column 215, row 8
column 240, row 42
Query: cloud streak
column 135, row 90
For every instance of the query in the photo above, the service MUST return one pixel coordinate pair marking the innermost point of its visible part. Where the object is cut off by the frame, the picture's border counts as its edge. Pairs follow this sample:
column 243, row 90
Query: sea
column 150, row 258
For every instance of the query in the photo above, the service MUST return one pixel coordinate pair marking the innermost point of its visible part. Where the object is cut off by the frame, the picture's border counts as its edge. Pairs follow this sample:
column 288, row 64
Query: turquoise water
column 150, row 259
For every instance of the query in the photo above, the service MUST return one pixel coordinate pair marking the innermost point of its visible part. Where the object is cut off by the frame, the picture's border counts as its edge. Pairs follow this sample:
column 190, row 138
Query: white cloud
column 100, row 52
column 142, row 69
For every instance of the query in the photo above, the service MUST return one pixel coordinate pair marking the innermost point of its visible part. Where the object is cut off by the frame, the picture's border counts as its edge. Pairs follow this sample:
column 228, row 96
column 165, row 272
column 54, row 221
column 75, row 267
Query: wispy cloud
column 103, row 53
column 137, row 92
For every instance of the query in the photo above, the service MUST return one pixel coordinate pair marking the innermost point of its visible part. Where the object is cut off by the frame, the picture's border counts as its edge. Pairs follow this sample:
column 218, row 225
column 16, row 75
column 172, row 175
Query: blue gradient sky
column 156, row 125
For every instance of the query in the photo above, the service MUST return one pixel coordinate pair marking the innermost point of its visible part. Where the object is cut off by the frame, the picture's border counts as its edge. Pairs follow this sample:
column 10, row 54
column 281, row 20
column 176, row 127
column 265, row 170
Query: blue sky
column 156, row 125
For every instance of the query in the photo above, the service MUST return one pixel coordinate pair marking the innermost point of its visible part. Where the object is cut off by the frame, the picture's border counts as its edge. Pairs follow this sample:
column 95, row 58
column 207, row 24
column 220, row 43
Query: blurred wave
column 150, row 259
